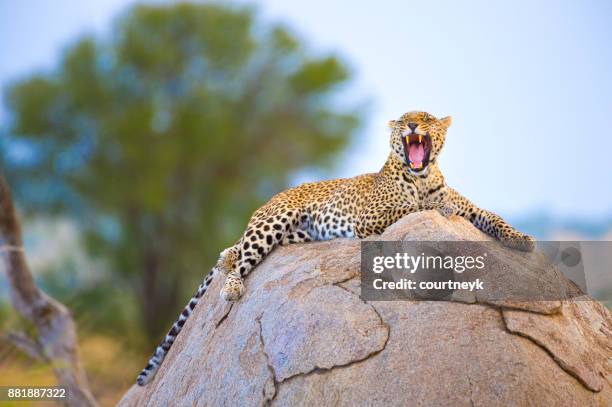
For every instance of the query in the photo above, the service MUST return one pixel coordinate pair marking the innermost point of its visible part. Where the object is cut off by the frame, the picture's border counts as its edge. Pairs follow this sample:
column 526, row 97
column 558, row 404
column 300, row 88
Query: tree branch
column 25, row 344
column 57, row 340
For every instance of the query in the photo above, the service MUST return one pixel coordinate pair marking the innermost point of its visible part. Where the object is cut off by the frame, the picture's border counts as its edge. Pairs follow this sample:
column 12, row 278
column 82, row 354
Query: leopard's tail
column 148, row 373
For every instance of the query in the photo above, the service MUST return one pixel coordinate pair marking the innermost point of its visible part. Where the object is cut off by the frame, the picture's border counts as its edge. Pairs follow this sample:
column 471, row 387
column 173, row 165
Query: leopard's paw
column 226, row 261
column 442, row 207
column 233, row 289
column 447, row 210
column 524, row 243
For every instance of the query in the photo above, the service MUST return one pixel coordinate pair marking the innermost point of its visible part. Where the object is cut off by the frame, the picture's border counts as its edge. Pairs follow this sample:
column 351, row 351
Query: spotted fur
column 351, row 207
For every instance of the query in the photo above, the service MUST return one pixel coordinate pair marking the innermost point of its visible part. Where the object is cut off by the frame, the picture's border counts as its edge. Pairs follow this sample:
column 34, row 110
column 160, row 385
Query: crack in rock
column 267, row 400
column 469, row 379
column 224, row 317
column 558, row 361
column 318, row 370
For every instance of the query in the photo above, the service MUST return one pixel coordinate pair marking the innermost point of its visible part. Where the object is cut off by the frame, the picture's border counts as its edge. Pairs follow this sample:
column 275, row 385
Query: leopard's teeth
column 416, row 167
column 420, row 138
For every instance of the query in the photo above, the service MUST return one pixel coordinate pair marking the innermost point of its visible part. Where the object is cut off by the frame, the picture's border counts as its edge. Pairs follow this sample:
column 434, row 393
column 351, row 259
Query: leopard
column 409, row 181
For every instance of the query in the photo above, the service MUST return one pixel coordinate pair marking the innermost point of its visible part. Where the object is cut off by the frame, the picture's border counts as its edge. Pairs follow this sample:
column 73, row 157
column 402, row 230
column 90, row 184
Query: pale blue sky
column 528, row 84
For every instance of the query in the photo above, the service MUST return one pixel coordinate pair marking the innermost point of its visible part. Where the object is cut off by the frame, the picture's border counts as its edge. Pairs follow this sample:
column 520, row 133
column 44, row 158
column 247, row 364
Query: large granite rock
column 302, row 336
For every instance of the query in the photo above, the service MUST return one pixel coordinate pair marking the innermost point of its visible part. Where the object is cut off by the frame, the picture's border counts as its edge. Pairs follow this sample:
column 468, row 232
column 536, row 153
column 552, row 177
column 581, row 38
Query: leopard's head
column 417, row 138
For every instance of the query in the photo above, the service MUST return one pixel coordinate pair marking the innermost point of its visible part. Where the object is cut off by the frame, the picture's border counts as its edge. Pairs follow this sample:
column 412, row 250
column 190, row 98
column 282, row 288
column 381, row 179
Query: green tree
column 163, row 138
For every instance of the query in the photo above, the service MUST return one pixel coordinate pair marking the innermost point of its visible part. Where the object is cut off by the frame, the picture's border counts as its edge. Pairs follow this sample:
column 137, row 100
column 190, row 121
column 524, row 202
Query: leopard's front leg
column 269, row 227
column 489, row 222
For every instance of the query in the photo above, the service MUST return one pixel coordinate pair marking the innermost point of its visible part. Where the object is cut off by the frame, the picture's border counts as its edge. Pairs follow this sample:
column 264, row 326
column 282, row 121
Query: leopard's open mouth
column 417, row 148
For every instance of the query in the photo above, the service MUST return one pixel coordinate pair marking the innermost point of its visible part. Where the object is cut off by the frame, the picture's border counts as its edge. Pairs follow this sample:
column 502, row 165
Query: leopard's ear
column 392, row 124
column 446, row 122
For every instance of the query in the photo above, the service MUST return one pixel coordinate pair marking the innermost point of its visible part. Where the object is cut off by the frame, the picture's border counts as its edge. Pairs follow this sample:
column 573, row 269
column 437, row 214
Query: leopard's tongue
column 416, row 154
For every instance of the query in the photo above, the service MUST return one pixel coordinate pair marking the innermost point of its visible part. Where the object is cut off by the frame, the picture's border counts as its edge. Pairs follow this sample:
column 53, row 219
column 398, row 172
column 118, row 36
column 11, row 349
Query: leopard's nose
column 412, row 126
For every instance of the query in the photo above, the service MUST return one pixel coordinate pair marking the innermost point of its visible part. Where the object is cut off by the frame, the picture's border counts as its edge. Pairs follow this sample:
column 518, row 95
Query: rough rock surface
column 302, row 336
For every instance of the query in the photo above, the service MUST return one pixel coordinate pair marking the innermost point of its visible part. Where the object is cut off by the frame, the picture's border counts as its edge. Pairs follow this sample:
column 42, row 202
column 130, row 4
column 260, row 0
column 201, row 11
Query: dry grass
column 111, row 369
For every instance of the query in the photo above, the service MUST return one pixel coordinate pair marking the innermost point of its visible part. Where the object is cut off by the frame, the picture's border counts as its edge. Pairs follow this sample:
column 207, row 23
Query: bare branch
column 57, row 340
column 24, row 343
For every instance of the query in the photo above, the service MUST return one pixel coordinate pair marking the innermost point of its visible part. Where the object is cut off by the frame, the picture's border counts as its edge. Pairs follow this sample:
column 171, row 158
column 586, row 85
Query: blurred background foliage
column 146, row 151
